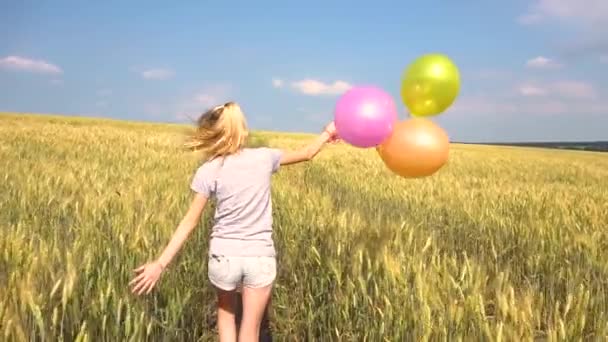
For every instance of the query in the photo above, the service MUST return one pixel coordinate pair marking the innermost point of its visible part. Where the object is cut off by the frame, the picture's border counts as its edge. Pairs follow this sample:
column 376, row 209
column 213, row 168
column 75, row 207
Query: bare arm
column 306, row 153
column 311, row 150
column 150, row 272
column 186, row 226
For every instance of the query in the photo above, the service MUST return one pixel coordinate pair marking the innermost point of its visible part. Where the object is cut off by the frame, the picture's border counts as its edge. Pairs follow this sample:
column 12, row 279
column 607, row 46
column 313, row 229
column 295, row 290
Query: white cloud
column 104, row 92
column 211, row 96
column 562, row 89
column 536, row 98
column 277, row 82
column 600, row 107
column 491, row 105
column 531, row 90
column 203, row 99
column 574, row 89
column 206, row 100
column 585, row 19
column 29, row 65
column 546, row 107
column 580, row 12
column 157, row 74
column 188, row 107
column 315, row 87
column 482, row 105
column 541, row 62
column 529, row 18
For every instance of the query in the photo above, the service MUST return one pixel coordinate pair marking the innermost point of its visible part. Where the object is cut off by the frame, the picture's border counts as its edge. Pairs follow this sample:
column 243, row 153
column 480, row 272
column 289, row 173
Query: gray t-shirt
column 240, row 184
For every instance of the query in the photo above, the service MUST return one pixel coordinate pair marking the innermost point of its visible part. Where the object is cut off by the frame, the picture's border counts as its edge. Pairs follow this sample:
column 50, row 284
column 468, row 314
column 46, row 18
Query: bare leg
column 239, row 306
column 225, row 315
column 254, row 305
column 265, row 333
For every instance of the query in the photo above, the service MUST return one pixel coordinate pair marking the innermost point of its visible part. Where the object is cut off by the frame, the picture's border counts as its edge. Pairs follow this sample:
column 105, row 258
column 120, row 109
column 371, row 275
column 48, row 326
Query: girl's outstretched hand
column 147, row 277
column 333, row 134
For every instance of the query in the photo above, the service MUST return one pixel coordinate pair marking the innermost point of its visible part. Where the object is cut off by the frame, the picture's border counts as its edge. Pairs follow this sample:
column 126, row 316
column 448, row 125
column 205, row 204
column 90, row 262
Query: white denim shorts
column 228, row 272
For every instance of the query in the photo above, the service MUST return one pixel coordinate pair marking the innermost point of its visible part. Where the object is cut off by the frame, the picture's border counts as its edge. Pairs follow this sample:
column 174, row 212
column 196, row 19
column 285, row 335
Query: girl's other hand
column 147, row 278
column 330, row 129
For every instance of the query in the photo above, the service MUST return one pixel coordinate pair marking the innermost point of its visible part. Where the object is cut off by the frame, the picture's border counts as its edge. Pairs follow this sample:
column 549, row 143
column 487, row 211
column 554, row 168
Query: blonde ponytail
column 221, row 131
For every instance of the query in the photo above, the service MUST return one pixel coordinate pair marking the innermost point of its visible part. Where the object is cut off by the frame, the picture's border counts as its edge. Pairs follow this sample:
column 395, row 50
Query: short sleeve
column 203, row 180
column 275, row 158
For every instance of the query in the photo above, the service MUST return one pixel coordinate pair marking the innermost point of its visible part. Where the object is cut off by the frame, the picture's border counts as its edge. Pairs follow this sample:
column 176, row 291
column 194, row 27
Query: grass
column 501, row 244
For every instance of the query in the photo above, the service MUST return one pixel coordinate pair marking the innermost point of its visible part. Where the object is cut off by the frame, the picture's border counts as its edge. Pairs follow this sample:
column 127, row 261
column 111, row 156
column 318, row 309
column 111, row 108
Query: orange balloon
column 416, row 148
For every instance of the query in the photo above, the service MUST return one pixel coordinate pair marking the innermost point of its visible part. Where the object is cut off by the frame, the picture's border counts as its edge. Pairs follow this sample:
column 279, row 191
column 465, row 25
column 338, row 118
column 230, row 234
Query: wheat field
column 503, row 244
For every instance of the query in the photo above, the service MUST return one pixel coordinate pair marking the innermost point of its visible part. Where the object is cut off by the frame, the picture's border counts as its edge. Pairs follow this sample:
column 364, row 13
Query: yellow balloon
column 430, row 85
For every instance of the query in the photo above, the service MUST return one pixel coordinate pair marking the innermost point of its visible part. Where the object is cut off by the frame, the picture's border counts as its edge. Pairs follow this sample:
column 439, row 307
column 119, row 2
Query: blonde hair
column 221, row 131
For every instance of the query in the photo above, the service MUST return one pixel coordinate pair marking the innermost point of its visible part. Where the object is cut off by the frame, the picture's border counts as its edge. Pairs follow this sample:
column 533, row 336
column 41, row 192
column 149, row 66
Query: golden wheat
column 502, row 244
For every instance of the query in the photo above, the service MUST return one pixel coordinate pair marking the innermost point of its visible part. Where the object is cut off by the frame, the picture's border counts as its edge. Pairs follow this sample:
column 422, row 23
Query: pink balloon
column 364, row 116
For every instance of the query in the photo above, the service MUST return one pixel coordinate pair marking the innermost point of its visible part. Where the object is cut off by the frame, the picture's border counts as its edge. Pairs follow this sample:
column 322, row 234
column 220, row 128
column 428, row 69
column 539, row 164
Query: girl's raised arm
column 310, row 151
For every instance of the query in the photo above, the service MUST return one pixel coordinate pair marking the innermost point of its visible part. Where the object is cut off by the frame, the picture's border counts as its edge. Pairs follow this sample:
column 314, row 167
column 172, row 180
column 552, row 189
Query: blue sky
column 530, row 70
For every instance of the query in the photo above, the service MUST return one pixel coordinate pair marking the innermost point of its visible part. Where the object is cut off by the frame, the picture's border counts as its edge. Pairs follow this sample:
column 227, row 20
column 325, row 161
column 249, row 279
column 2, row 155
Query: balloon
column 416, row 148
column 430, row 85
column 364, row 116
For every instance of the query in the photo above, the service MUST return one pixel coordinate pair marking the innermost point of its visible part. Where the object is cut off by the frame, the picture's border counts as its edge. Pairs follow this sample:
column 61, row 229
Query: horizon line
column 150, row 121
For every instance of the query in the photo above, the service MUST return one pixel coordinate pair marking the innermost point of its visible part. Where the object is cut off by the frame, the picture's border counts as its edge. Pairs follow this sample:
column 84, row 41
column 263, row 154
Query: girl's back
column 240, row 183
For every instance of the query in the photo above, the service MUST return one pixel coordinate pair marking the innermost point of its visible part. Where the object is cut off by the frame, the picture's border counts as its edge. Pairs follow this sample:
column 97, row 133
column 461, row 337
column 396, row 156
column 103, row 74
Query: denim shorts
column 228, row 272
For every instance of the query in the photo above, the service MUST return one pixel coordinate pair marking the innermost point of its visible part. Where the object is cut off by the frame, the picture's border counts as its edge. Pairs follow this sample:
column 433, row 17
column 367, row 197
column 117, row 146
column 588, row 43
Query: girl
column 241, row 249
